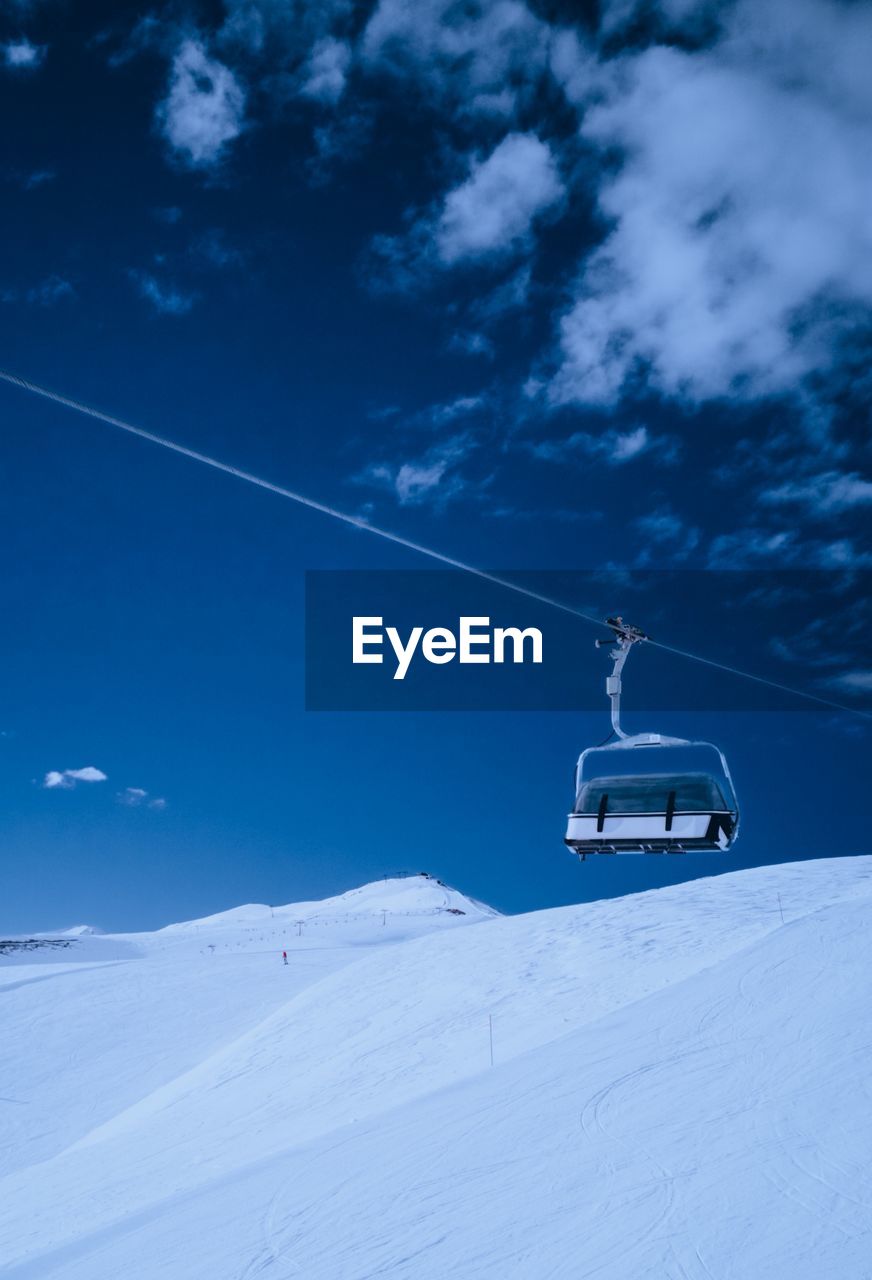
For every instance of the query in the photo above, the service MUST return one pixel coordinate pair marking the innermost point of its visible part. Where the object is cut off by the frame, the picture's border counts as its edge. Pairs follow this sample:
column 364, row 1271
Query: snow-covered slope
column 102, row 1024
column 680, row 1089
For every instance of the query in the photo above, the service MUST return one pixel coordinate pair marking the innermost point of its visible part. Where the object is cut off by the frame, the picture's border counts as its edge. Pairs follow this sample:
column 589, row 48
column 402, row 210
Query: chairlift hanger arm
column 624, row 636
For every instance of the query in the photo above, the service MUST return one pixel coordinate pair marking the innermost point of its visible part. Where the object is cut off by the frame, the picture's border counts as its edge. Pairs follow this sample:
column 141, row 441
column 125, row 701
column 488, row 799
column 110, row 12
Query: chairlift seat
column 649, row 793
column 669, row 812
column 624, row 803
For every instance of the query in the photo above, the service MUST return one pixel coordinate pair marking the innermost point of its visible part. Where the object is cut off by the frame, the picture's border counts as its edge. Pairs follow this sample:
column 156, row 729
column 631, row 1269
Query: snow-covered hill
column 680, row 1089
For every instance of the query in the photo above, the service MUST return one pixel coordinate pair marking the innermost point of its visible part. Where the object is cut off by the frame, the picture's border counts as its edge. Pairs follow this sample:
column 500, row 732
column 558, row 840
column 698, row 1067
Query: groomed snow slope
column 681, row 1089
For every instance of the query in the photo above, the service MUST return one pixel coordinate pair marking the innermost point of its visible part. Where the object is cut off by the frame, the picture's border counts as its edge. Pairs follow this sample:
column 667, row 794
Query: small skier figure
column 284, row 957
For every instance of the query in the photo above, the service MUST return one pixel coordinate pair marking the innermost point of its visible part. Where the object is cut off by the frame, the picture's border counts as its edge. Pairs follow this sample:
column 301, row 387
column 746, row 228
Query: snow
column 680, row 1089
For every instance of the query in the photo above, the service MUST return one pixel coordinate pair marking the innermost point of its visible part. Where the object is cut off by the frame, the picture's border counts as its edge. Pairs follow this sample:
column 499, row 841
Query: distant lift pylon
column 648, row 793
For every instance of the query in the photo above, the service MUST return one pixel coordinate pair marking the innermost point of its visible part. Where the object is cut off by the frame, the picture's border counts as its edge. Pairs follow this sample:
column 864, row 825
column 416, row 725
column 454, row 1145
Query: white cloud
column 88, row 774
column 487, row 56
column 496, row 206
column 165, row 298
column 45, row 294
column 37, row 178
column 630, row 444
column 741, row 244
column 486, row 218
column 213, row 248
column 830, row 493
column 326, row 70
column 21, row 55
column 339, row 137
column 841, row 553
column 511, row 294
column 204, row 108
column 413, row 481
column 462, row 406
column 432, row 477
column 672, row 16
column 732, row 169
column 612, row 446
column 471, row 343
column 137, row 797
column 661, row 526
column 834, row 637
column 285, row 31
column 853, row 681
column 439, row 414
column 573, row 64
column 66, row 779
column 665, row 532
column 51, row 291
column 754, row 547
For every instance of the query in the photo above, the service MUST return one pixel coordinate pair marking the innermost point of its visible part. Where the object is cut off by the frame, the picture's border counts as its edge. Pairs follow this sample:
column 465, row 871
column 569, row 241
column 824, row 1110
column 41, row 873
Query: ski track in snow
column 680, row 1090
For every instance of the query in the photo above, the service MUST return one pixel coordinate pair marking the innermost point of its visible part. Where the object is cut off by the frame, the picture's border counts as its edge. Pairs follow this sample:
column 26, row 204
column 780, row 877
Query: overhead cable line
column 389, row 536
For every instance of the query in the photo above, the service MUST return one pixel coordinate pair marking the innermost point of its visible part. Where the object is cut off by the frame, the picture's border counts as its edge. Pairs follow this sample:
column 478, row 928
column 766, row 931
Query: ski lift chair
column 649, row 793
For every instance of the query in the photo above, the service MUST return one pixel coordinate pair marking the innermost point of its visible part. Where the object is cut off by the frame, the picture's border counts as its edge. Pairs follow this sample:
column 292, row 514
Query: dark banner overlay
column 446, row 641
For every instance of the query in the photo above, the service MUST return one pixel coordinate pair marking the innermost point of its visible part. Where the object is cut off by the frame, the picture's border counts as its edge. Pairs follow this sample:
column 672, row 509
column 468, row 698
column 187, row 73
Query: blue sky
column 544, row 286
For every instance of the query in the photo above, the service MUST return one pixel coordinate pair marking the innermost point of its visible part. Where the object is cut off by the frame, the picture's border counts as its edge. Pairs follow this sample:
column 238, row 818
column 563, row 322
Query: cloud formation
column 755, row 547
column 704, row 173
column 37, row 178
column 50, row 291
column 727, row 147
column 21, row 55
column 433, row 477
column 204, row 109
column 165, row 298
column 740, row 247
column 487, row 217
column 494, row 209
column 47, row 293
column 665, row 535
column 326, row 70
column 611, row 446
column 830, row 493
column 67, row 779
column 484, row 58
column 137, row 797
column 853, row 681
